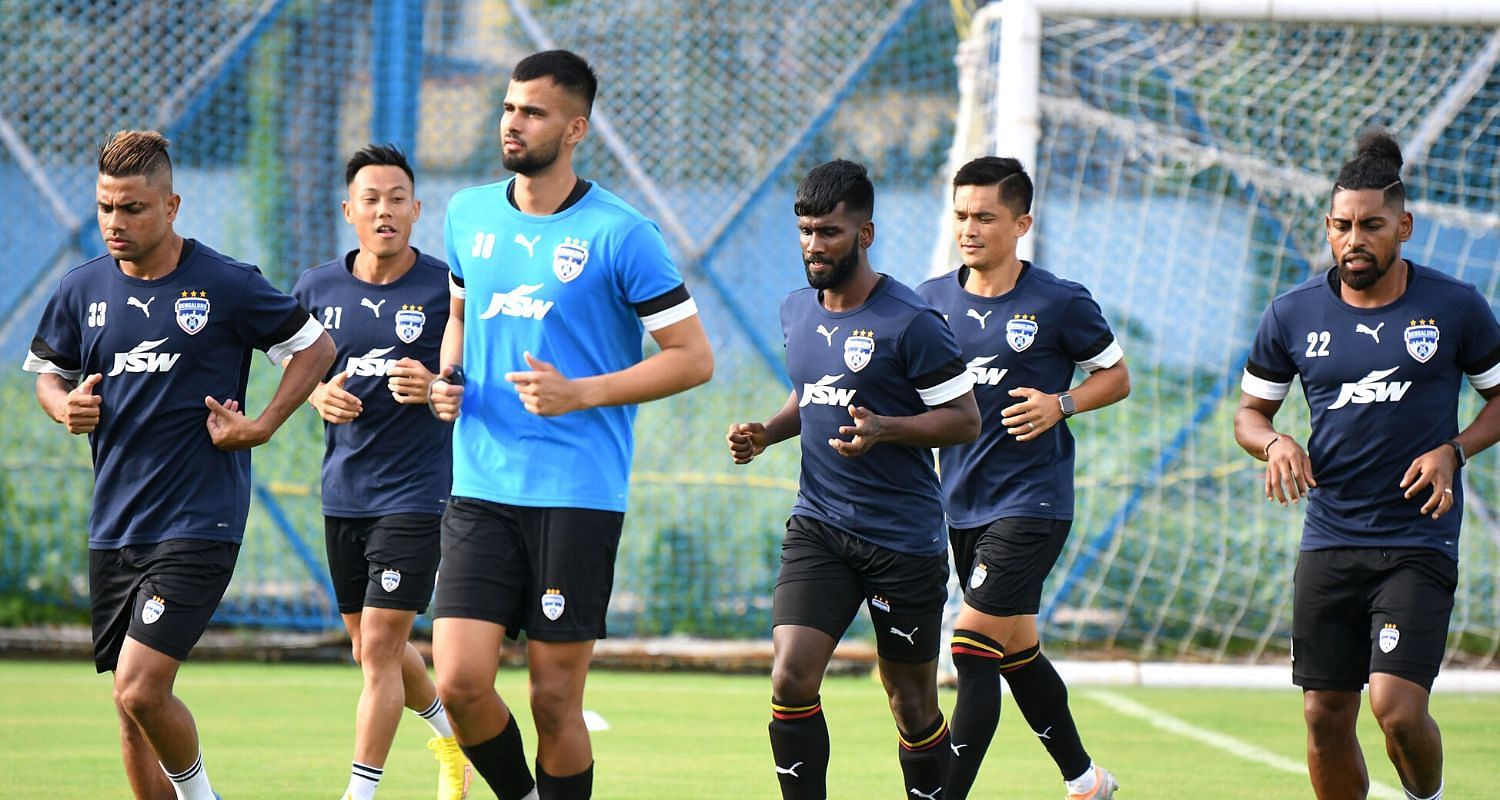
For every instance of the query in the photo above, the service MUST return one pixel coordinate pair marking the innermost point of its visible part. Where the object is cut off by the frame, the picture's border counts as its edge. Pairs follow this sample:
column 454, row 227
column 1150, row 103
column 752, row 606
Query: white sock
column 191, row 783
column 1085, row 782
column 363, row 781
column 1437, row 796
column 438, row 719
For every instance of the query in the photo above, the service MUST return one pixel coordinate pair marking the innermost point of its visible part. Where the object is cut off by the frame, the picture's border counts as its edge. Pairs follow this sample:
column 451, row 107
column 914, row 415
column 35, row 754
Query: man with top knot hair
column 1379, row 344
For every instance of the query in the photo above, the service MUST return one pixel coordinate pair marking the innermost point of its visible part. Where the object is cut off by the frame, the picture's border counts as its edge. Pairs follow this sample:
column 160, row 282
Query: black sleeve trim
column 44, row 351
column 457, row 280
column 946, row 372
column 1268, row 375
column 290, row 327
column 1095, row 347
column 670, row 299
column 1476, row 367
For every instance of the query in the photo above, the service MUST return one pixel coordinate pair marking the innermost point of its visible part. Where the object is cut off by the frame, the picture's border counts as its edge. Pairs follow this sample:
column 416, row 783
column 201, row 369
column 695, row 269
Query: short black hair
column 377, row 155
column 1376, row 165
column 1006, row 173
column 566, row 68
column 838, row 181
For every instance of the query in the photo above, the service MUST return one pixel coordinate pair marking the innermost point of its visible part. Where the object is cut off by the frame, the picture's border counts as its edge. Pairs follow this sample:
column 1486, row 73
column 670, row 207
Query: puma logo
column 792, row 770
column 827, row 334
column 956, row 747
column 928, row 795
column 522, row 241
column 981, row 317
column 1374, row 333
column 144, row 307
column 365, row 301
column 1043, row 734
column 907, row 636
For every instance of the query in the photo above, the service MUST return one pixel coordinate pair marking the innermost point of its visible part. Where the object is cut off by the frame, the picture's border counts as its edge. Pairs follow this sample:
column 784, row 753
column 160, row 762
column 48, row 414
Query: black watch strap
column 1458, row 450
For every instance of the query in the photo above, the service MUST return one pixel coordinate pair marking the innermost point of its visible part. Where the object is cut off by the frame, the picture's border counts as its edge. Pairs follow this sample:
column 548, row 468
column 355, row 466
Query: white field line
column 1219, row 741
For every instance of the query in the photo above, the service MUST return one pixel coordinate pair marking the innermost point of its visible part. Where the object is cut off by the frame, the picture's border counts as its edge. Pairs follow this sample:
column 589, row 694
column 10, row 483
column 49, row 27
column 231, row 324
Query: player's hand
column 545, row 391
column 335, row 405
column 80, row 414
column 867, row 430
column 1288, row 471
column 1033, row 416
column 1433, row 468
column 229, row 428
column 445, row 398
column 746, row 441
column 409, row 381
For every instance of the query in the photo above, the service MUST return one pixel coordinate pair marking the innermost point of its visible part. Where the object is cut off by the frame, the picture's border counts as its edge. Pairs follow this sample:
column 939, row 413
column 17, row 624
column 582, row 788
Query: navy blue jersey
column 895, row 356
column 392, row 458
column 1045, row 327
column 1382, row 386
column 162, row 346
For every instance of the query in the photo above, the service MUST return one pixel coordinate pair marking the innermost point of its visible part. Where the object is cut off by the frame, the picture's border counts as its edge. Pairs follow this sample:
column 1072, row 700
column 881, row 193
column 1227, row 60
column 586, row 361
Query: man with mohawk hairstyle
column 1379, row 344
column 147, row 350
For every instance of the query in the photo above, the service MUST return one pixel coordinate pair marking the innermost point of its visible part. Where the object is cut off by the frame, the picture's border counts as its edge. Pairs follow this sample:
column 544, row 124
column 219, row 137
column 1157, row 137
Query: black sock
column 570, row 787
column 799, row 743
column 501, row 761
column 976, row 712
column 1043, row 699
column 924, row 759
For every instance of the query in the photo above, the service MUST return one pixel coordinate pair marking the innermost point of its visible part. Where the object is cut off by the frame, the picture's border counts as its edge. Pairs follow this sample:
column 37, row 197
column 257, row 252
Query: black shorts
column 1004, row 564
column 547, row 571
column 162, row 595
column 1358, row 610
column 826, row 573
column 382, row 562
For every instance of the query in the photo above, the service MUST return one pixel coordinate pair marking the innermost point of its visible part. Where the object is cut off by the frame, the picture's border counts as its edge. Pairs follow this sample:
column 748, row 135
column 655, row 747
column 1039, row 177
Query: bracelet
column 1266, row 451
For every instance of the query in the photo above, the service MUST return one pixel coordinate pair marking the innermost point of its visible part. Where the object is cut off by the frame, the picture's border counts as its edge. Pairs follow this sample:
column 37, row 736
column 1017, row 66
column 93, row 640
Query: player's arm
column 76, row 407
column 952, row 422
column 1039, row 411
column 445, row 397
column 1436, row 467
column 749, row 439
column 685, row 360
column 1288, row 468
column 312, row 353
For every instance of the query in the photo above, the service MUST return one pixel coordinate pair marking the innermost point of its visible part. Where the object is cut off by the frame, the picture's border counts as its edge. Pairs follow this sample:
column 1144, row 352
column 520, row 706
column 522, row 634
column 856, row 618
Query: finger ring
column 1447, row 491
column 1031, row 426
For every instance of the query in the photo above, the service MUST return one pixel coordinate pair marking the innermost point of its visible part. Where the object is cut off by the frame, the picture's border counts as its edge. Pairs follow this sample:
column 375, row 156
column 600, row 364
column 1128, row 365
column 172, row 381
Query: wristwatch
column 1458, row 450
column 1069, row 408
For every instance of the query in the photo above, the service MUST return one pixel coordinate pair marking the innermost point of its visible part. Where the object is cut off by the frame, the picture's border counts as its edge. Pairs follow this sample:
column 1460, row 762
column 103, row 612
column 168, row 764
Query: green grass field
column 284, row 732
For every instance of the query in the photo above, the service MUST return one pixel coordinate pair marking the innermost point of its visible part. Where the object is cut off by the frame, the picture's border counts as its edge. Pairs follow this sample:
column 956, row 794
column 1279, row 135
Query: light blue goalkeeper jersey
column 577, row 289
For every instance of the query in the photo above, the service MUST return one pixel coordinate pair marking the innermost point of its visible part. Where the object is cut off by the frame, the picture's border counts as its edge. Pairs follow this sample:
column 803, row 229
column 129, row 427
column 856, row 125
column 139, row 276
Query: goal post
column 1182, row 152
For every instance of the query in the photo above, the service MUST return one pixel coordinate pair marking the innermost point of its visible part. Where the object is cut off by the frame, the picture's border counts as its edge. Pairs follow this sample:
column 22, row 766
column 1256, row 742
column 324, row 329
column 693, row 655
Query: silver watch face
column 1066, row 401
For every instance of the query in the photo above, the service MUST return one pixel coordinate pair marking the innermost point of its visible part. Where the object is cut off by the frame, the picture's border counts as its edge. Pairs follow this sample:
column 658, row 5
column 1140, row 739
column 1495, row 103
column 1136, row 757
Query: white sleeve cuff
column 39, row 365
column 1108, row 358
column 1488, row 379
column 456, row 290
column 951, row 389
column 1264, row 389
column 301, row 340
column 669, row 316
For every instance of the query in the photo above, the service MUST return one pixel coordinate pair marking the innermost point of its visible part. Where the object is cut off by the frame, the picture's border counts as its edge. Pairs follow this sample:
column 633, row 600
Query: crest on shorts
column 976, row 578
column 153, row 609
column 1421, row 340
column 859, row 348
column 390, row 579
column 553, row 603
column 1389, row 637
column 409, row 322
column 192, row 311
column 1020, row 331
column 876, row 601
column 569, row 258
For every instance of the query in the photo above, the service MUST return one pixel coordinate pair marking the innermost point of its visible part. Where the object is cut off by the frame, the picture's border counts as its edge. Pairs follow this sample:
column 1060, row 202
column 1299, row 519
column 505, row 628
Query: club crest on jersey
column 859, row 348
column 153, row 609
column 569, row 258
column 1390, row 636
column 976, row 578
column 1020, row 331
column 553, row 604
column 409, row 322
column 1421, row 339
column 192, row 311
column 390, row 579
